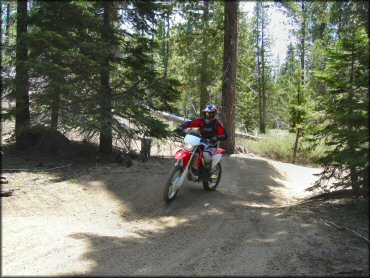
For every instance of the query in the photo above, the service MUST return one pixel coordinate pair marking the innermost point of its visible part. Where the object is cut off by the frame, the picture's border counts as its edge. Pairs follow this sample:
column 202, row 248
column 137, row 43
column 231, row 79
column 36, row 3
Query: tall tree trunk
column 351, row 144
column 105, row 146
column 55, row 109
column 22, row 109
column 204, row 97
column 263, row 93
column 166, row 44
column 259, row 66
column 340, row 19
column 7, row 24
column 368, row 20
column 56, row 95
column 229, row 77
column 301, row 85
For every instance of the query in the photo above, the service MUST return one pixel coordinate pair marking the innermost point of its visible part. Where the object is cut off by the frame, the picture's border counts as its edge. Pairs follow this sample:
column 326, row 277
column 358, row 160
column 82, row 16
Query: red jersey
column 215, row 128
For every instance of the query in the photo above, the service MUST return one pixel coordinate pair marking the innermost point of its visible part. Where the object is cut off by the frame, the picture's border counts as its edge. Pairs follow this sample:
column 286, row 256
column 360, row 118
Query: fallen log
column 168, row 116
column 345, row 228
column 174, row 118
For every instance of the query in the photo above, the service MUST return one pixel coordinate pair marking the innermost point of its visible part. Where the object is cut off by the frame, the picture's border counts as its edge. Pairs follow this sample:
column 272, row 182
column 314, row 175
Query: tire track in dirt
column 115, row 222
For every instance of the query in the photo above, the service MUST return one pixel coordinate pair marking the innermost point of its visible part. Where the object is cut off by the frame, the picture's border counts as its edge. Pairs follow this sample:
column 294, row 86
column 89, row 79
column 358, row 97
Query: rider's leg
column 207, row 158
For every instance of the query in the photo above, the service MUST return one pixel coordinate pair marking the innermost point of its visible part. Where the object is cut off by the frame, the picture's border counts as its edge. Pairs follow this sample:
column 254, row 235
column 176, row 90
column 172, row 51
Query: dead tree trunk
column 146, row 145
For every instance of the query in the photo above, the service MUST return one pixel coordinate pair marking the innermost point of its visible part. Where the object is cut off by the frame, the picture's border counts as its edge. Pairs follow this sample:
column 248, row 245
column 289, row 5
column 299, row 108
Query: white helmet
column 209, row 112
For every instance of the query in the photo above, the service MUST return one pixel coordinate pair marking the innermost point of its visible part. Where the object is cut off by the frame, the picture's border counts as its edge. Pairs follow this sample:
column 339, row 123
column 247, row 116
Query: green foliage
column 67, row 52
column 263, row 70
column 247, row 95
column 185, row 53
column 161, row 66
column 342, row 112
column 287, row 82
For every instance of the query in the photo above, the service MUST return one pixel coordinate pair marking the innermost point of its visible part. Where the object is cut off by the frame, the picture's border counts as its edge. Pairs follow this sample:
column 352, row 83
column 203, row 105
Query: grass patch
column 294, row 208
column 73, row 180
column 278, row 145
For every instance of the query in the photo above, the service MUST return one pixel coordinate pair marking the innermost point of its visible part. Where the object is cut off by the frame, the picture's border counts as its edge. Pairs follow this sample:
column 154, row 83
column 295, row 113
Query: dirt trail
column 113, row 221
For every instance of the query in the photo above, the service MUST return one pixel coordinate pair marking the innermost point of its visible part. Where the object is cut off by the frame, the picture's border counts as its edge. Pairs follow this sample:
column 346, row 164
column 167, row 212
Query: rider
column 211, row 129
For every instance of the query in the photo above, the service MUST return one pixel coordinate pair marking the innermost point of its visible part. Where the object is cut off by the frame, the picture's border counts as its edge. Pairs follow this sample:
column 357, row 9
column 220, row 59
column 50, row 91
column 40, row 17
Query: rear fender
column 216, row 157
column 218, row 151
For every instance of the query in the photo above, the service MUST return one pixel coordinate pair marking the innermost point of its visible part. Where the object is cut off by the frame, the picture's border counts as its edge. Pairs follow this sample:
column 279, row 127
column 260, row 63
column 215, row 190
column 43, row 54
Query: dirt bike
column 189, row 164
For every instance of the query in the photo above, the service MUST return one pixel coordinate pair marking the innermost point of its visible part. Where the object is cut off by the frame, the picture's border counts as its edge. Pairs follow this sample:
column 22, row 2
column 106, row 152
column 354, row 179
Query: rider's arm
column 221, row 133
column 185, row 124
column 194, row 123
column 188, row 124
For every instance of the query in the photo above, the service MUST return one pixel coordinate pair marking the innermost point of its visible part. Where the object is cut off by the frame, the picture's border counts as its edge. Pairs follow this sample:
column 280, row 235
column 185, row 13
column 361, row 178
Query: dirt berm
column 111, row 220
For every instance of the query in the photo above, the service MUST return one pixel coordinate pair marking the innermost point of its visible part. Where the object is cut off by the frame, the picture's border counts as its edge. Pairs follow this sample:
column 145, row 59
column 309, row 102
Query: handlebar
column 178, row 133
column 206, row 141
column 181, row 133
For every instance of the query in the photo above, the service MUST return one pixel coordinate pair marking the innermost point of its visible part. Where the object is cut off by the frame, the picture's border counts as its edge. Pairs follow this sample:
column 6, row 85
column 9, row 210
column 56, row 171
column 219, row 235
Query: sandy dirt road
column 113, row 221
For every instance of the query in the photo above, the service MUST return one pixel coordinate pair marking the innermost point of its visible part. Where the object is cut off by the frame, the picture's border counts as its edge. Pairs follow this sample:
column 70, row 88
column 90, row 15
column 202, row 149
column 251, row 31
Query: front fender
column 184, row 156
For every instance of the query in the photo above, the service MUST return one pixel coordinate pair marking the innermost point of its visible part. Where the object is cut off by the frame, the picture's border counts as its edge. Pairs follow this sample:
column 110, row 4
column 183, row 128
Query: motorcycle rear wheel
column 170, row 191
column 211, row 184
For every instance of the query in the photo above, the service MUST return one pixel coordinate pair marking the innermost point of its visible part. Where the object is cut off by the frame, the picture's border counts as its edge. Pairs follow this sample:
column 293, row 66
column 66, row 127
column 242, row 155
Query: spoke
column 172, row 189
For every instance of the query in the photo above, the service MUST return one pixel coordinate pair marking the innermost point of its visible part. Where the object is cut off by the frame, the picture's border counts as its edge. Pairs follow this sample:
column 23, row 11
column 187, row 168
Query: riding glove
column 214, row 140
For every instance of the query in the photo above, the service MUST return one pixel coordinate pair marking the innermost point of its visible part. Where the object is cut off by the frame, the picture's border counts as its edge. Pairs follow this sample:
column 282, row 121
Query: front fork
column 180, row 181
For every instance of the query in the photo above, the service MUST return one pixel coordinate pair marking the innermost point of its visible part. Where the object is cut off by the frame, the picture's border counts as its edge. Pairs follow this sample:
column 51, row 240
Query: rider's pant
column 207, row 156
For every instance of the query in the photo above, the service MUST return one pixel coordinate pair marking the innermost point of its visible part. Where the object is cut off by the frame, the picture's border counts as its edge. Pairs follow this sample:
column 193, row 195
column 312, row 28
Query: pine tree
column 204, row 96
column 196, row 51
column 104, row 94
column 98, row 70
column 298, row 12
column 247, row 96
column 55, row 41
column 286, row 84
column 22, row 113
column 342, row 120
column 135, row 86
column 229, row 77
column 263, row 70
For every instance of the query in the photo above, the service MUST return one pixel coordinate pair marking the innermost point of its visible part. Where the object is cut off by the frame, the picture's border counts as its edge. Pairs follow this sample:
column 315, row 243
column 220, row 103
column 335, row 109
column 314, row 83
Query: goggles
column 210, row 114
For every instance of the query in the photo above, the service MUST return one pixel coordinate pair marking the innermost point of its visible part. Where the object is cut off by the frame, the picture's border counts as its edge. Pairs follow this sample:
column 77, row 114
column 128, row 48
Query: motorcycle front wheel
column 170, row 190
column 215, row 176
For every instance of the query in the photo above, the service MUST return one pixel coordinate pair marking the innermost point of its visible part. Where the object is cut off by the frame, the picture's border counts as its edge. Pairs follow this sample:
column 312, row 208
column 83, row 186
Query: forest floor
column 90, row 218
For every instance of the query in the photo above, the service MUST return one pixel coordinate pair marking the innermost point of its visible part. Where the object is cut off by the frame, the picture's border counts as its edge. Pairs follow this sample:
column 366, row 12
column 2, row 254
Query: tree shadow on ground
column 140, row 187
column 200, row 232
column 226, row 232
column 58, row 168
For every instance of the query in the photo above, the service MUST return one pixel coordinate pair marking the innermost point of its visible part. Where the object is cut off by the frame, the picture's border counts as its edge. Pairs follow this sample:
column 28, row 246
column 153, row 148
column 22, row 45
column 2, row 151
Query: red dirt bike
column 189, row 164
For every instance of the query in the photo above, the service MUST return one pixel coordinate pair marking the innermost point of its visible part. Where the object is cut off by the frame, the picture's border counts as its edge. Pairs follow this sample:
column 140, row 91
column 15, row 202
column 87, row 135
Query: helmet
column 209, row 112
